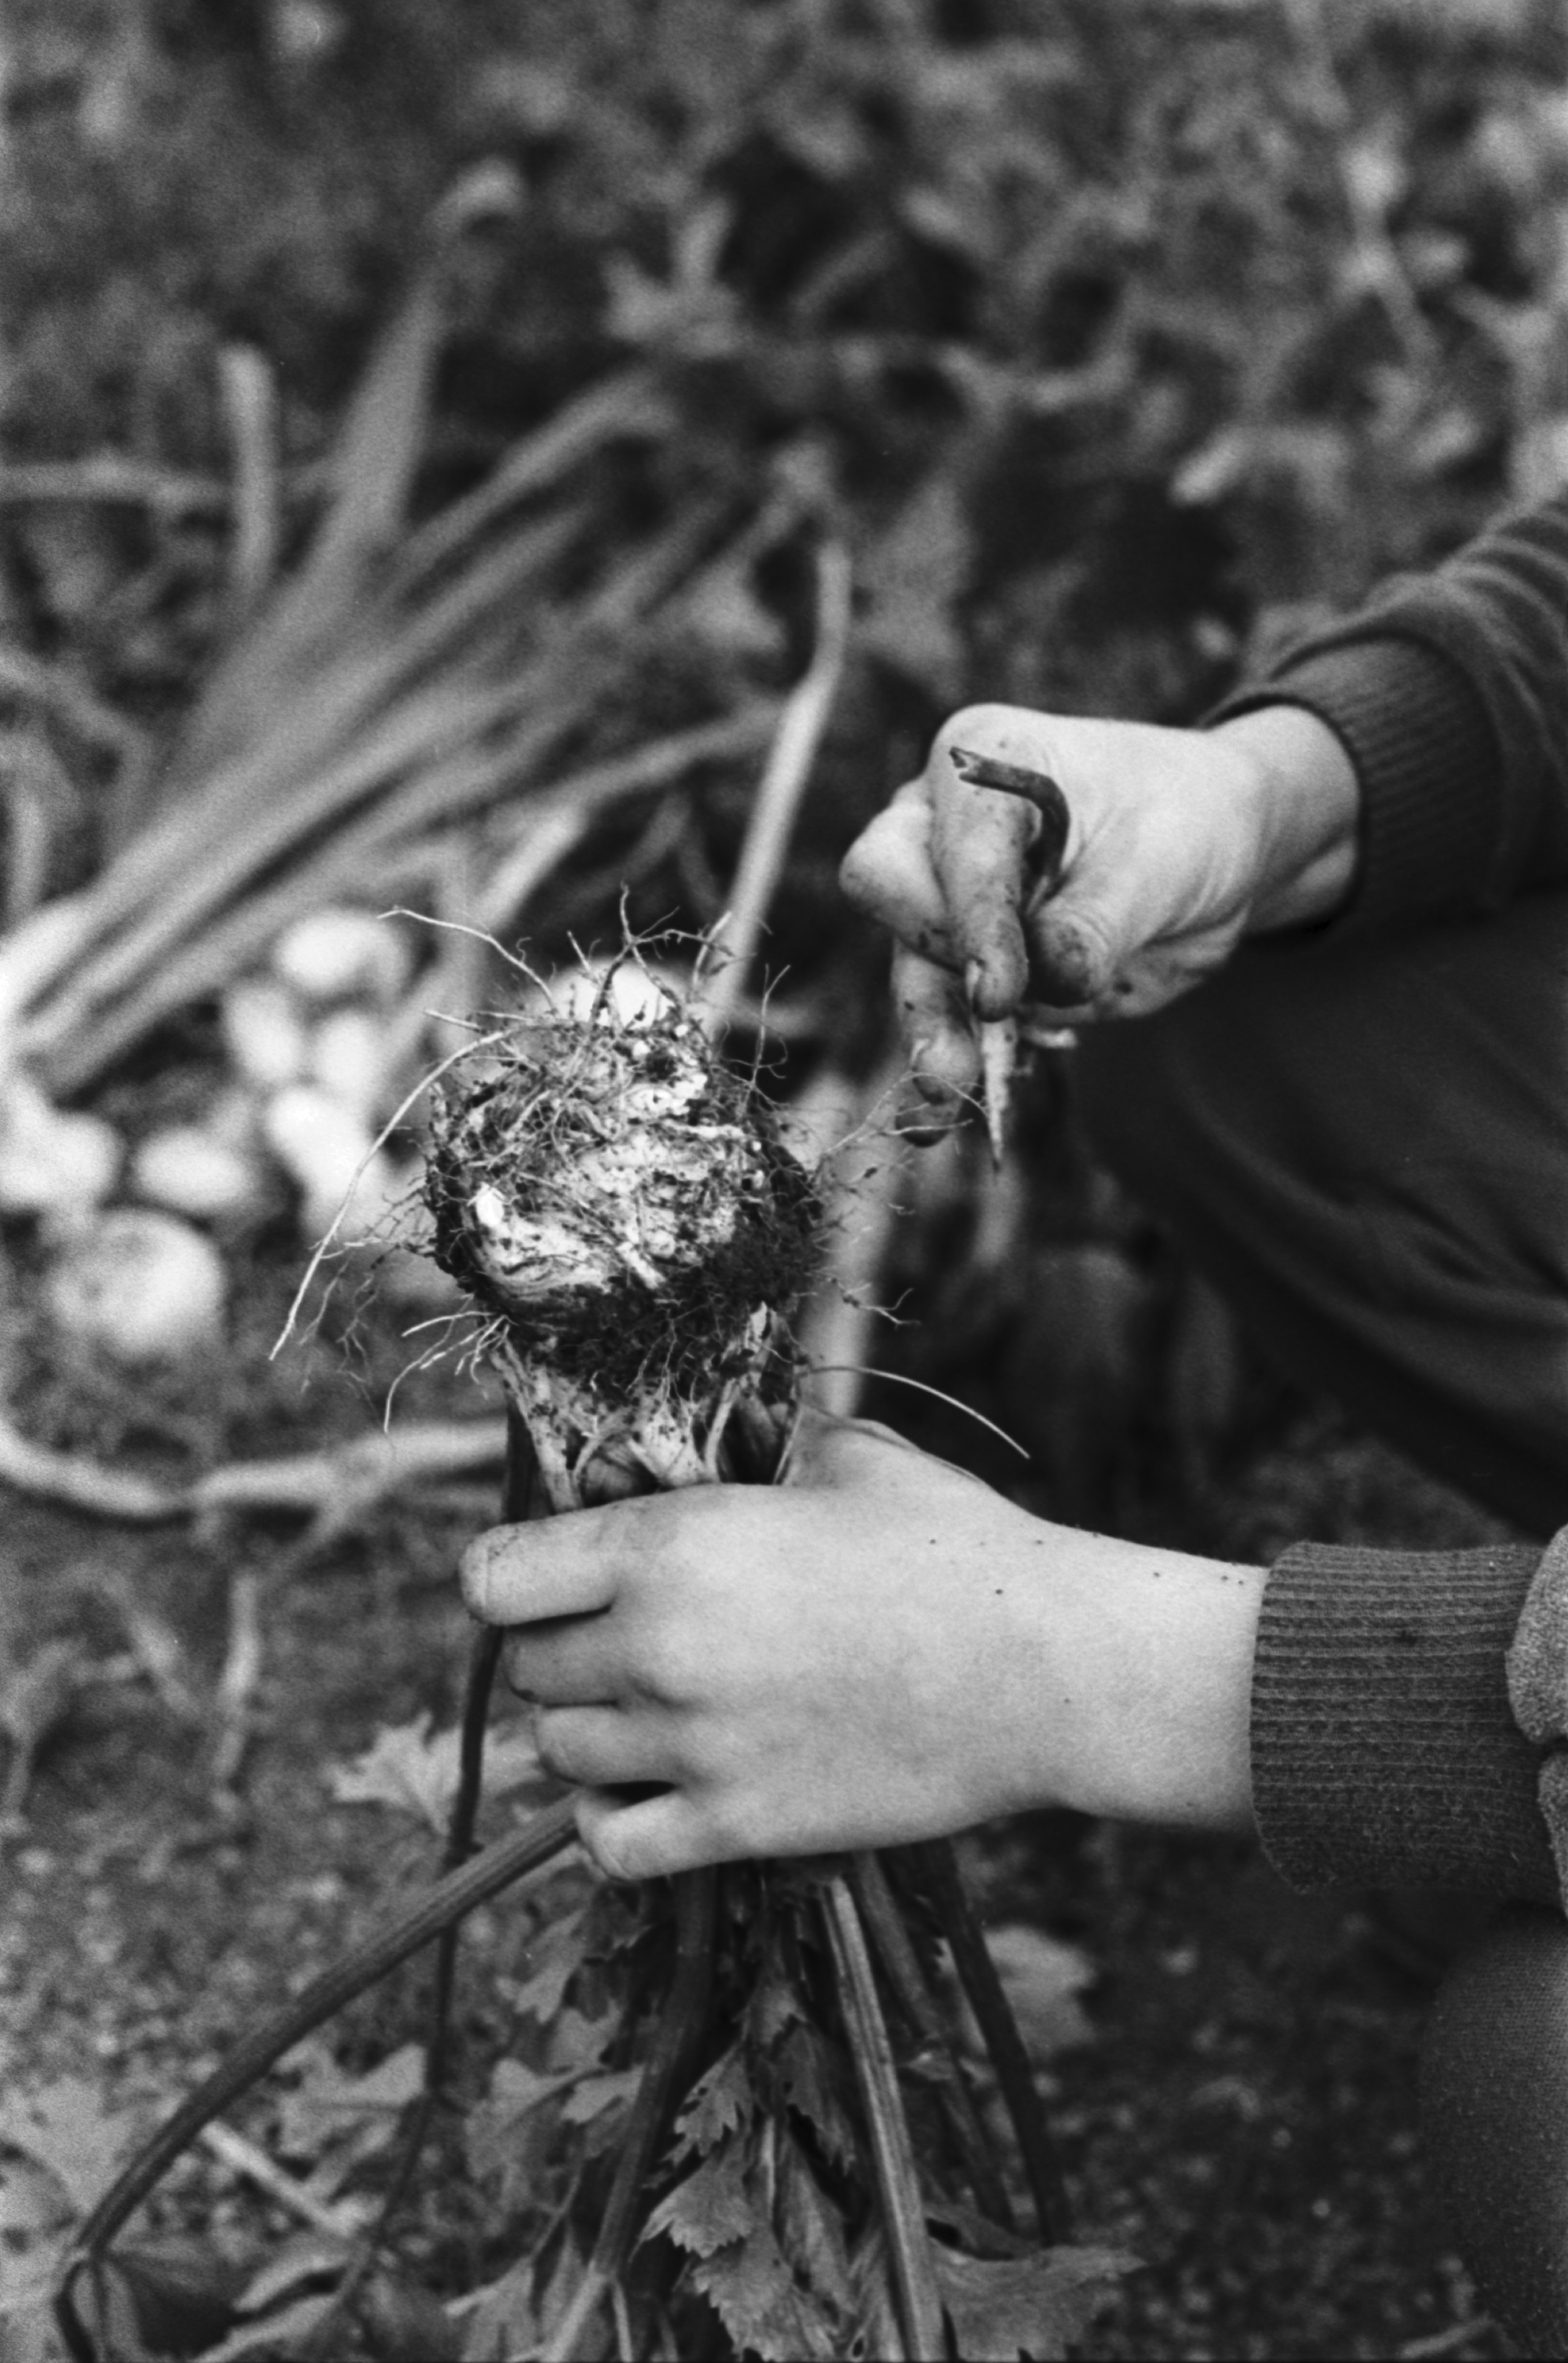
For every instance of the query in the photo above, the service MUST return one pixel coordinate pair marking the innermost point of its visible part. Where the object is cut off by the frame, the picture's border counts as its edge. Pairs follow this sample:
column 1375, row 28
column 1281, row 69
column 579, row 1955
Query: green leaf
column 1030, row 2306
column 1043, row 1977
column 414, row 1770
column 711, row 2209
column 491, row 2134
column 328, row 2105
column 595, row 2094
column 751, row 2289
column 810, row 2228
column 554, row 1957
column 504, row 2321
column 720, row 2100
column 577, row 2043
column 805, row 2072
column 775, row 2006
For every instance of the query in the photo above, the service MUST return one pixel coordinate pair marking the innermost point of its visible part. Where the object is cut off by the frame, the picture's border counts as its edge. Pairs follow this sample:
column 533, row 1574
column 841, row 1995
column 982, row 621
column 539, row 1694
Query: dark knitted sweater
column 1410, row 1711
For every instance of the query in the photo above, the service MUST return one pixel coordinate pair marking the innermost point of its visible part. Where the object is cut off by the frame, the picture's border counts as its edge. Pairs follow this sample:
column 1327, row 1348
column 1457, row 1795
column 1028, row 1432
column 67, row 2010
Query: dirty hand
column 880, row 1650
column 1179, row 843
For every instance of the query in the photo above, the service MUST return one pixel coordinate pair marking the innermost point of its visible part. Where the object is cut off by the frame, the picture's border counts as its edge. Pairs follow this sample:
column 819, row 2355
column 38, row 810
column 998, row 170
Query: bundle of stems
column 403, row 683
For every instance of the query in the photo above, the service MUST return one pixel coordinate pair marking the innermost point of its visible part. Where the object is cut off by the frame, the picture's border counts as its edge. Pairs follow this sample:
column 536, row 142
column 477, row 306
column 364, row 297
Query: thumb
column 1077, row 942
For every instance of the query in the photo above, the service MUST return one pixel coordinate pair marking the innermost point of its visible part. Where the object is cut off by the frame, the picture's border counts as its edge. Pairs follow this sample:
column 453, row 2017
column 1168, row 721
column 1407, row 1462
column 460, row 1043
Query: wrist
column 1141, row 1697
column 1309, row 811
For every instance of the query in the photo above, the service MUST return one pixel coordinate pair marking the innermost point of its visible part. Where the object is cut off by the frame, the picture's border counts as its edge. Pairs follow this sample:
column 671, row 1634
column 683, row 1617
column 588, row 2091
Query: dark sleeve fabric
column 1386, row 1751
column 1538, row 1690
column 1449, row 692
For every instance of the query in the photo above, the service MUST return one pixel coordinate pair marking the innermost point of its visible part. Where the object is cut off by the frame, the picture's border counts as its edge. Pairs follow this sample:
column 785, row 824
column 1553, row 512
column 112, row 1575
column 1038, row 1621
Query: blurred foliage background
column 1116, row 339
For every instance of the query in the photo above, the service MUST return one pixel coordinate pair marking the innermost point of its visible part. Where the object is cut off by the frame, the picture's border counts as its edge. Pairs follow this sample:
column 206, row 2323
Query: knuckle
column 664, row 1664
column 972, row 722
column 554, row 1744
column 862, row 870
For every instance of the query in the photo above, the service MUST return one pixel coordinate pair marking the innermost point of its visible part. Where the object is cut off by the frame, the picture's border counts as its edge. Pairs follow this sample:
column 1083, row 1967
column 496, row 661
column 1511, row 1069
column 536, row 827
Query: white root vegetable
column 190, row 1169
column 620, row 1202
column 327, row 1150
column 137, row 1285
column 342, row 954
column 637, row 993
column 265, row 1032
column 52, row 1163
column 347, row 1057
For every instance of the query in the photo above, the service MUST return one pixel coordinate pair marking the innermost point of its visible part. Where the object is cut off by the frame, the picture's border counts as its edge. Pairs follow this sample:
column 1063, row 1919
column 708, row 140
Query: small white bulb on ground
column 137, row 1285
column 191, row 1171
column 50, row 1162
column 342, row 954
column 328, row 1151
column 263, row 1033
column 347, row 1057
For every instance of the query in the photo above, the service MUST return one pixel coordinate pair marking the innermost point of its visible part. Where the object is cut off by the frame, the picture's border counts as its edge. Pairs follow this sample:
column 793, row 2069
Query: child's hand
column 882, row 1650
column 1180, row 842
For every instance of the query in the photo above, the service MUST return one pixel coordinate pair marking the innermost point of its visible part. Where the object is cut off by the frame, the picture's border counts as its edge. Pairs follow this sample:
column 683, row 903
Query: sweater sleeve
column 1450, row 693
column 1385, row 1750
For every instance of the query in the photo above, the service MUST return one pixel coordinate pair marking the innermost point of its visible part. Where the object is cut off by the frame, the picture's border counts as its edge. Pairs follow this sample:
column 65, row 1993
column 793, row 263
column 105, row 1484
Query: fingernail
column 474, row 1571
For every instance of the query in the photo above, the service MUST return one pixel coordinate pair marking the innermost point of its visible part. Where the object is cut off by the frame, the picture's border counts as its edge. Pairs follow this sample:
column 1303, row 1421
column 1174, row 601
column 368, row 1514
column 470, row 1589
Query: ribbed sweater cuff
column 1384, row 1750
column 1538, row 1688
column 1428, row 767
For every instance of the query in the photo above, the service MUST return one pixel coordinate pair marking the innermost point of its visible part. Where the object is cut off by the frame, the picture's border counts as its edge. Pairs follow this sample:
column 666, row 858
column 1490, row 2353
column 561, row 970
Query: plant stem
column 783, row 782
column 679, row 2030
column 938, row 1867
column 893, row 2155
column 519, row 1499
column 885, row 1924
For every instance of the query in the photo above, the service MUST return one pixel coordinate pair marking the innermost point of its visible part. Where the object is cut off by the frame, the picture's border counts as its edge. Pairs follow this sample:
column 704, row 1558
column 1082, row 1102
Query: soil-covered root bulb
column 621, row 1205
